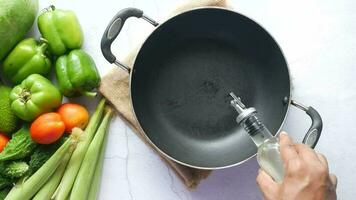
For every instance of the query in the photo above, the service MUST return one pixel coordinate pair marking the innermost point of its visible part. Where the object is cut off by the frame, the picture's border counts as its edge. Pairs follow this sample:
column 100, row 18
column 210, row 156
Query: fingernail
column 284, row 133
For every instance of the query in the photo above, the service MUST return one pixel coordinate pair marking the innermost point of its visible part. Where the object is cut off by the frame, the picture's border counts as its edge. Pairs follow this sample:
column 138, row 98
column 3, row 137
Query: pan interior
column 182, row 77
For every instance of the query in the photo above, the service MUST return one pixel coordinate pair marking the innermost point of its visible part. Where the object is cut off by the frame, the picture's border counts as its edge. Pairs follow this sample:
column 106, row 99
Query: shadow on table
column 231, row 184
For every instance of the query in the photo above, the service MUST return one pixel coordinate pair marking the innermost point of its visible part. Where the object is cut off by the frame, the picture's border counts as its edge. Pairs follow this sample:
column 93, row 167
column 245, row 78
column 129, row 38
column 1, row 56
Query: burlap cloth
column 115, row 87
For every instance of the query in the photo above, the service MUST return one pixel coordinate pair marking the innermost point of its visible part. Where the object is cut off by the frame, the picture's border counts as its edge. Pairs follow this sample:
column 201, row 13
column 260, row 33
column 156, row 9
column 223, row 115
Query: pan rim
column 166, row 155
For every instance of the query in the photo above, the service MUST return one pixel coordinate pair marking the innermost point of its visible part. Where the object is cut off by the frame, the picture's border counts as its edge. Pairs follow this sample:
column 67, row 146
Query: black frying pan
column 182, row 77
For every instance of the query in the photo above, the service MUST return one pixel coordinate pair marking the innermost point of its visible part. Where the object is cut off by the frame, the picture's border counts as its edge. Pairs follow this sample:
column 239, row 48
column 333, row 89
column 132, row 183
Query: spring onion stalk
column 25, row 190
column 77, row 157
column 85, row 175
column 50, row 187
column 95, row 185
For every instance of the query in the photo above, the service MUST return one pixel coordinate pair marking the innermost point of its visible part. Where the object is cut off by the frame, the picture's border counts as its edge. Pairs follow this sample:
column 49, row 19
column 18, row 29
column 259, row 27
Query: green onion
column 50, row 187
column 95, row 185
column 25, row 190
column 77, row 157
column 85, row 175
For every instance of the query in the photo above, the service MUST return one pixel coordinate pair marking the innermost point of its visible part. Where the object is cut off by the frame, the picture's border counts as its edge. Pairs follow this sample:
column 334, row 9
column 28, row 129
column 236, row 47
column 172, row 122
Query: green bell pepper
column 34, row 96
column 28, row 57
column 77, row 74
column 61, row 29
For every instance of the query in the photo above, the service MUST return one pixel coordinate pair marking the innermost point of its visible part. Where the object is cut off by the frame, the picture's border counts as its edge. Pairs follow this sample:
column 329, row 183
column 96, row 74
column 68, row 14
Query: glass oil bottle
column 268, row 155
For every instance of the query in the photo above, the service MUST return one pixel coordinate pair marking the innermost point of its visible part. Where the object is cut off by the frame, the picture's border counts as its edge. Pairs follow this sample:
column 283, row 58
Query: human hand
column 306, row 175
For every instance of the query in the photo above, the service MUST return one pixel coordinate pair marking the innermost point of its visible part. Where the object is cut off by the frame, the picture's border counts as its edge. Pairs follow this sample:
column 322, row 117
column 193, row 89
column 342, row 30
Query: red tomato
column 47, row 128
column 3, row 141
column 73, row 115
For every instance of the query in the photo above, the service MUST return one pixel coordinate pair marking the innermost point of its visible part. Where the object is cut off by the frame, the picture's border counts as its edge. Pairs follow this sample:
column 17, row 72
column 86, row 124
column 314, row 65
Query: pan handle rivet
column 285, row 100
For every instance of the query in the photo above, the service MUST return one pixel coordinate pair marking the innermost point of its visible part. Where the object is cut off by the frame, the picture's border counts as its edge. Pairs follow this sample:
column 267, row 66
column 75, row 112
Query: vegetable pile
column 49, row 149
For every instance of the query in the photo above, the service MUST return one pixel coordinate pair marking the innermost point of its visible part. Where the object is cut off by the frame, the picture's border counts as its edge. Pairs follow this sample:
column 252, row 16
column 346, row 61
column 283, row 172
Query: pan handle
column 314, row 132
column 113, row 30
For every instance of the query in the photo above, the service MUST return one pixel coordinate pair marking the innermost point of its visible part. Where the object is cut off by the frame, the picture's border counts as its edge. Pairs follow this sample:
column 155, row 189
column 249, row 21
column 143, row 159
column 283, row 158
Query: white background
column 318, row 40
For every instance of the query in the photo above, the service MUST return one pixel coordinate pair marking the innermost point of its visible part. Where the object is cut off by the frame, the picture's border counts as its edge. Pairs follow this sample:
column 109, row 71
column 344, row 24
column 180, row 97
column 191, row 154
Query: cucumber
column 16, row 19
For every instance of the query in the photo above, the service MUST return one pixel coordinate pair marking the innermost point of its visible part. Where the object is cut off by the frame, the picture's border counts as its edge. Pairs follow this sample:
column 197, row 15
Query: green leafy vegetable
column 13, row 169
column 5, row 182
column 20, row 146
column 4, row 192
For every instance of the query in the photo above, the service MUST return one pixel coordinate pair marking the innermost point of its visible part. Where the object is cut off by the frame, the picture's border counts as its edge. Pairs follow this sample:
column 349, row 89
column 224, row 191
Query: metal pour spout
column 236, row 103
column 241, row 109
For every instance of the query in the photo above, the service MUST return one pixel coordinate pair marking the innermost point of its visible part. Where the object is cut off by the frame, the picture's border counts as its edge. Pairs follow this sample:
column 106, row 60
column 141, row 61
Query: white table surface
column 319, row 41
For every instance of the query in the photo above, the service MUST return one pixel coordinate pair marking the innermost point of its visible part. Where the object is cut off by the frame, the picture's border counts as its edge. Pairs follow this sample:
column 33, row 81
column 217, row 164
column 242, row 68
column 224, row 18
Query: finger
column 306, row 153
column 333, row 179
column 268, row 187
column 323, row 160
column 287, row 149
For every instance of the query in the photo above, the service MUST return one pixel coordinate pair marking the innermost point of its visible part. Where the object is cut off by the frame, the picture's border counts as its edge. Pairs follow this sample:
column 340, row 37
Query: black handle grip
column 314, row 132
column 113, row 30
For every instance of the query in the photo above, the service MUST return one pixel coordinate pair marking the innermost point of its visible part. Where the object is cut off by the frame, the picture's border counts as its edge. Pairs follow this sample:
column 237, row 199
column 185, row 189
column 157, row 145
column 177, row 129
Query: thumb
column 268, row 187
column 287, row 148
column 333, row 180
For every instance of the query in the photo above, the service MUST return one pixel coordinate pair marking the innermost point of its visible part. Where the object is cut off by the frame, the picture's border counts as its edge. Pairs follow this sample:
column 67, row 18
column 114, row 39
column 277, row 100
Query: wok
column 182, row 76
